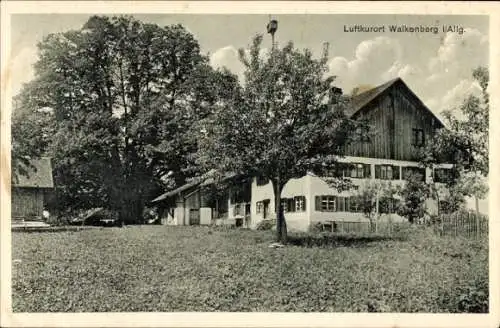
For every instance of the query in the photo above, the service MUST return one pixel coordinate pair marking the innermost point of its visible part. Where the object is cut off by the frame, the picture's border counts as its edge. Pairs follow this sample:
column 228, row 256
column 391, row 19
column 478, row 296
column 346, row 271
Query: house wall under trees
column 27, row 203
column 29, row 189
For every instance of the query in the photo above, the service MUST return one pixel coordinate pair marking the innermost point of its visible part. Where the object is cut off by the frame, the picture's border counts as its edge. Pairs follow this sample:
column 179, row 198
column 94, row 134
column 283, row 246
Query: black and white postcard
column 257, row 164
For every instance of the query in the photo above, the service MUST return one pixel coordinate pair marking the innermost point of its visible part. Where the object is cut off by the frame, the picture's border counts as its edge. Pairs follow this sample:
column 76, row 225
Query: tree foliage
column 464, row 140
column 284, row 123
column 464, row 143
column 372, row 198
column 125, row 98
column 414, row 194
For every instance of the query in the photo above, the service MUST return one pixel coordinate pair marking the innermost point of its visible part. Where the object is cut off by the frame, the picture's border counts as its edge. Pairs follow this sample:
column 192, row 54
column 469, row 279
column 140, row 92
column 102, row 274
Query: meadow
column 163, row 268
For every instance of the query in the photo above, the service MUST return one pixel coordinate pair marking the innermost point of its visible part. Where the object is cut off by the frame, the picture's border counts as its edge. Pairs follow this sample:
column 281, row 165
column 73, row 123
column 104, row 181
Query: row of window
column 328, row 203
column 383, row 172
column 295, row 204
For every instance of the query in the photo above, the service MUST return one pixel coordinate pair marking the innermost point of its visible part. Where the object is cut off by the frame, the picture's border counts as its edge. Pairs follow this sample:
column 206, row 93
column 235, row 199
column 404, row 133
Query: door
column 194, row 217
column 266, row 208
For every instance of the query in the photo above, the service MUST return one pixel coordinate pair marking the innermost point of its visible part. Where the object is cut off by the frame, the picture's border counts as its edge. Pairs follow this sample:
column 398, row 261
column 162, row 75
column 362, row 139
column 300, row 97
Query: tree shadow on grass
column 333, row 241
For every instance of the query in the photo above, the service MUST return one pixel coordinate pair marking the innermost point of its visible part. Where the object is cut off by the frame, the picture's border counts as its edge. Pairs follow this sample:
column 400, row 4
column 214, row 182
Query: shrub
column 316, row 228
column 266, row 224
column 57, row 220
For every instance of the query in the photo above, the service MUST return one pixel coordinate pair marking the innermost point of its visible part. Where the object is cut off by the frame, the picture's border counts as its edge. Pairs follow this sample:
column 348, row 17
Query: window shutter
column 368, row 173
column 304, row 202
column 347, row 204
column 318, row 203
column 395, row 172
column 377, row 171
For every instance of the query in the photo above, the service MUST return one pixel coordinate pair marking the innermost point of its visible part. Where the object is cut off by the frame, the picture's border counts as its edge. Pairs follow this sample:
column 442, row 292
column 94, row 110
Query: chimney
column 336, row 91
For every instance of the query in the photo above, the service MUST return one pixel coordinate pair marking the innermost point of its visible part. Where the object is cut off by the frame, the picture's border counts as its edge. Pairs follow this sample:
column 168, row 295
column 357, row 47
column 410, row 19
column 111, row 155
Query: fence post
column 478, row 234
column 455, row 223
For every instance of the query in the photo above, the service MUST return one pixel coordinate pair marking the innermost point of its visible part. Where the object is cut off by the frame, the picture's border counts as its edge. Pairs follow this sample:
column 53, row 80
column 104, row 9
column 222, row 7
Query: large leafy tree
column 285, row 122
column 464, row 141
column 124, row 97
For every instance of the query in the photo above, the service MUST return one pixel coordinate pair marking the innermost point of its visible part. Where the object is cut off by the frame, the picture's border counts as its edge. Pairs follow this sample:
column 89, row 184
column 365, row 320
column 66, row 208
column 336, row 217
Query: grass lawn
column 161, row 268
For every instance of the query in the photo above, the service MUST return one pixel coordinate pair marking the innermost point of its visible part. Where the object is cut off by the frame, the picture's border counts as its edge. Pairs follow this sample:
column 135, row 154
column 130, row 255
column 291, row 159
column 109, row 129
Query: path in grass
column 159, row 268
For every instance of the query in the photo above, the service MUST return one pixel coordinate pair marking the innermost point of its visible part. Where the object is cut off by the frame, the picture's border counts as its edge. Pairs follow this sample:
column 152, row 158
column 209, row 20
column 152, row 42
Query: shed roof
column 38, row 174
column 204, row 180
column 176, row 191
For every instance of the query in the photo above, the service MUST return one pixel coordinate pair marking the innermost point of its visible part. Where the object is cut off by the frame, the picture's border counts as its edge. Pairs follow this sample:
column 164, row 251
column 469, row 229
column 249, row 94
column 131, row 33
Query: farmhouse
column 29, row 188
column 200, row 203
column 401, row 124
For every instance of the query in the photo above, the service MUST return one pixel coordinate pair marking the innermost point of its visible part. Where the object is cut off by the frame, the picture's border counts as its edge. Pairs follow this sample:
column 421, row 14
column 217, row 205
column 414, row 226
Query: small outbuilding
column 30, row 184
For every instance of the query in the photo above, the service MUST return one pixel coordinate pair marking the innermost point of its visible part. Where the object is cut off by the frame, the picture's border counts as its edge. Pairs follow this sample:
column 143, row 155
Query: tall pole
column 272, row 26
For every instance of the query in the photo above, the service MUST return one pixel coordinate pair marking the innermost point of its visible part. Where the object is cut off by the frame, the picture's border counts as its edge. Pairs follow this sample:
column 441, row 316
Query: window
column 332, row 204
column 300, row 203
column 260, row 207
column 363, row 134
column 414, row 170
column 340, row 170
column 284, row 204
column 387, row 205
column 295, row 204
column 417, row 138
column 238, row 209
column 326, row 203
column 353, row 205
column 445, row 206
column 443, row 175
column 360, row 171
column 288, row 204
column 383, row 205
column 387, row 172
column 262, row 181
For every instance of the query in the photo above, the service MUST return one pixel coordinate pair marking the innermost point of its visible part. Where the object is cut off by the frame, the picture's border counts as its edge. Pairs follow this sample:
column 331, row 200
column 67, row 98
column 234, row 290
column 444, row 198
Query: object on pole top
column 272, row 26
column 326, row 46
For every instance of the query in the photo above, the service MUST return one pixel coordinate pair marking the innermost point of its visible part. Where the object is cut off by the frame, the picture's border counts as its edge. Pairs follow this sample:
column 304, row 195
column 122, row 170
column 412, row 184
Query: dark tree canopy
column 124, row 99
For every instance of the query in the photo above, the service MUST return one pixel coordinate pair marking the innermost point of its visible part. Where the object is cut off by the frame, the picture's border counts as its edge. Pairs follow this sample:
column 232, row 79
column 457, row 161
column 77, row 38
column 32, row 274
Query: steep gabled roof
column 361, row 100
column 38, row 174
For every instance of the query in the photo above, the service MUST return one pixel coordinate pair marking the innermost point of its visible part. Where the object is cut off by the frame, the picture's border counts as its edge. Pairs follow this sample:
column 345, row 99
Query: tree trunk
column 132, row 208
column 372, row 224
column 281, row 230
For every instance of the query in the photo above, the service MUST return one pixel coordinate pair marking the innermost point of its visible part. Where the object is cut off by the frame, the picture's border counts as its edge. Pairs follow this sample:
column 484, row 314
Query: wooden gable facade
column 29, row 189
column 400, row 122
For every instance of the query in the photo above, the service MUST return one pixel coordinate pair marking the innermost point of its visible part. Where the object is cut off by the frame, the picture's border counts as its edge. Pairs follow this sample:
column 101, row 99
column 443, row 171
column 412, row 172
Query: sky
column 436, row 66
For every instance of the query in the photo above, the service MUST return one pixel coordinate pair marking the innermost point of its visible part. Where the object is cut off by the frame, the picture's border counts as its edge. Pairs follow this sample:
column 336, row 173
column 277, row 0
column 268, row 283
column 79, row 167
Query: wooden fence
column 464, row 224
